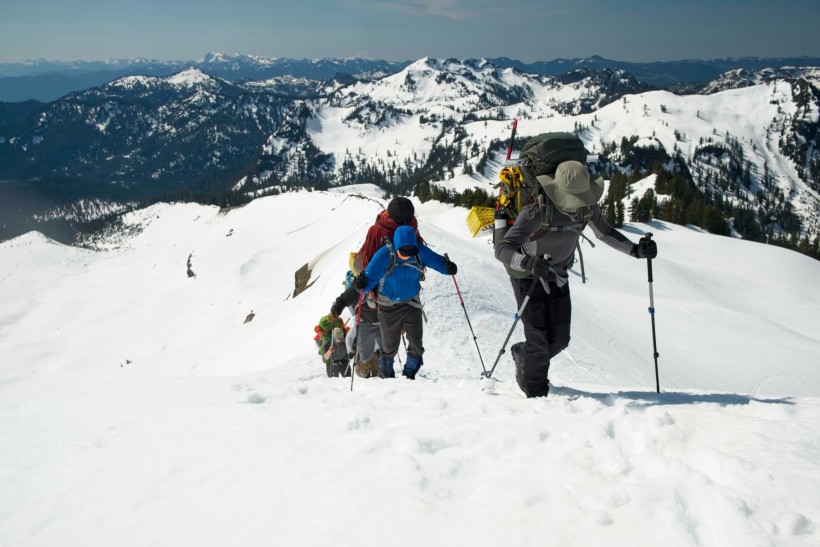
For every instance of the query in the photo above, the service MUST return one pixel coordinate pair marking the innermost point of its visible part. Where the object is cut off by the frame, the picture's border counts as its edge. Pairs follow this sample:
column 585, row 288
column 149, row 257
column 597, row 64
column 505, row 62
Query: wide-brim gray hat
column 572, row 187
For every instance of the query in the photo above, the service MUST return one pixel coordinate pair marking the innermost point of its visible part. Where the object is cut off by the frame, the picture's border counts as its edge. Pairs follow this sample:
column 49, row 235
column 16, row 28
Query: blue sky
column 529, row 30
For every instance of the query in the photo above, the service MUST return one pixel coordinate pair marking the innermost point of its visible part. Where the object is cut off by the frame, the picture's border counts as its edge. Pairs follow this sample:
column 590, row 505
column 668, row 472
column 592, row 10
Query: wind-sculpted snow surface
column 138, row 408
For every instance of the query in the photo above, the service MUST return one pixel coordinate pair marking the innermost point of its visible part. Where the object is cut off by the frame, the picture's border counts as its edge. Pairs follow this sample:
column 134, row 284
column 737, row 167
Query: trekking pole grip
column 447, row 258
column 648, row 237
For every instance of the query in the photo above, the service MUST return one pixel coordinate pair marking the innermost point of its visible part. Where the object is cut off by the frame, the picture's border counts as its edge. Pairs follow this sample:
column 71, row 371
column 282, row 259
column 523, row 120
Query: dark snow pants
column 546, row 322
column 392, row 319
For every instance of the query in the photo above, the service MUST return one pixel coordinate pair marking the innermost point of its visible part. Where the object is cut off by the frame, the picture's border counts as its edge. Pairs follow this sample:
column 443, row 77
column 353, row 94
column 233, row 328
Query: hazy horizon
column 527, row 30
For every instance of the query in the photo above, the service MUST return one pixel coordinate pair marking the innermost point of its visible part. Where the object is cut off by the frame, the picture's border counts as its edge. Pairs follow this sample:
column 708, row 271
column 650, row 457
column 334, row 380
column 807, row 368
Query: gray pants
column 393, row 319
column 371, row 337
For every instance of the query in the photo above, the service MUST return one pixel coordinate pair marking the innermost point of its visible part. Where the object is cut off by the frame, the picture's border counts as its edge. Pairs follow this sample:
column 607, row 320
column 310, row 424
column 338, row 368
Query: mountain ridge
column 199, row 135
column 45, row 81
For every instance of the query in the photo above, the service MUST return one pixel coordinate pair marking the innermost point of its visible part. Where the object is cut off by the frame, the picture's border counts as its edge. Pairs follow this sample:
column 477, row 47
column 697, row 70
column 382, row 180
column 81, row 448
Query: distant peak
column 188, row 77
column 592, row 59
column 214, row 57
column 424, row 61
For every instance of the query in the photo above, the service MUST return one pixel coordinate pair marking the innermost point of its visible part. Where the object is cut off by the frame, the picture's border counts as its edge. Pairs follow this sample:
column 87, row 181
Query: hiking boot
column 541, row 391
column 375, row 372
column 386, row 367
column 367, row 369
column 412, row 366
column 517, row 351
column 535, row 382
column 362, row 368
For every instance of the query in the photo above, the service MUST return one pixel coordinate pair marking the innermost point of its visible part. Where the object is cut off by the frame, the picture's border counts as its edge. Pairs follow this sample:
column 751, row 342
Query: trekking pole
column 517, row 317
column 475, row 339
column 358, row 339
column 652, row 315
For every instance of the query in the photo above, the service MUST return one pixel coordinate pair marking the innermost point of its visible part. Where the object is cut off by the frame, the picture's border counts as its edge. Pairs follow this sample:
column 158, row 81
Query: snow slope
column 137, row 407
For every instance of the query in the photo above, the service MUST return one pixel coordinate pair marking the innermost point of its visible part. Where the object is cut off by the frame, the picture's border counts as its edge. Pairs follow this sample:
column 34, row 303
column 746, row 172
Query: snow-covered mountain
column 49, row 80
column 751, row 152
column 235, row 66
column 391, row 126
column 752, row 146
column 143, row 405
column 735, row 79
column 661, row 74
column 46, row 80
column 140, row 130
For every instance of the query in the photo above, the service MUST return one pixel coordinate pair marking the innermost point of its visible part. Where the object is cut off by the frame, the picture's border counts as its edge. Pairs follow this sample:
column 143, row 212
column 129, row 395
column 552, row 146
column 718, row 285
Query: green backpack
column 323, row 332
column 519, row 186
column 542, row 153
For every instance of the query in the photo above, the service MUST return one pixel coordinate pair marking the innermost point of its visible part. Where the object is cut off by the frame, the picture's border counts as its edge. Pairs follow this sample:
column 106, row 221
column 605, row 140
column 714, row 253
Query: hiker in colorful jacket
column 362, row 341
column 523, row 249
column 396, row 270
column 330, row 341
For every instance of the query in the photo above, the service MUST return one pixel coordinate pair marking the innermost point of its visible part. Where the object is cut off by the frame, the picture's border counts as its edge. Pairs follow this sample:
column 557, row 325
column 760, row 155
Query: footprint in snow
column 359, row 423
column 255, row 399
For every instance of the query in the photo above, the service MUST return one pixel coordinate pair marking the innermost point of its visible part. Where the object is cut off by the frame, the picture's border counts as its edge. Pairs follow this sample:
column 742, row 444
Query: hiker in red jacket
column 399, row 212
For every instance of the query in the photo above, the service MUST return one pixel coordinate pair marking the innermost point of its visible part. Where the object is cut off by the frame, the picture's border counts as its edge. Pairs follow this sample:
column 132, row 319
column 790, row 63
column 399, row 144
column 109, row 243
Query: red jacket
column 381, row 230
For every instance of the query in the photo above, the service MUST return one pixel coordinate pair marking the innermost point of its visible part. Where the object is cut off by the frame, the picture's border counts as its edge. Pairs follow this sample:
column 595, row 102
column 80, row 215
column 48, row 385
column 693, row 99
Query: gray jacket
column 558, row 242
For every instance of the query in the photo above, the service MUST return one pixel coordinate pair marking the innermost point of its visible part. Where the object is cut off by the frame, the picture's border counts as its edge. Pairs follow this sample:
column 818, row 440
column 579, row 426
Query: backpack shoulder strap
column 415, row 264
column 546, row 207
column 587, row 214
column 392, row 264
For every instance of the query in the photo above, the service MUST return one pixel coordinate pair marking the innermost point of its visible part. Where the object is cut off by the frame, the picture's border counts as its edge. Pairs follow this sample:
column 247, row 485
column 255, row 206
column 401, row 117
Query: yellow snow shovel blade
column 480, row 219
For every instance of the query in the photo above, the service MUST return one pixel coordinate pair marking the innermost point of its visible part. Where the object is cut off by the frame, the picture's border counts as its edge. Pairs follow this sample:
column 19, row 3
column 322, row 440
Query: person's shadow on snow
column 648, row 398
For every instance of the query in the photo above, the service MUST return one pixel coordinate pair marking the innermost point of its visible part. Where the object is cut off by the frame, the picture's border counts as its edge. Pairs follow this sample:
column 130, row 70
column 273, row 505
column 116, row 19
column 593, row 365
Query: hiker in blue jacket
column 396, row 271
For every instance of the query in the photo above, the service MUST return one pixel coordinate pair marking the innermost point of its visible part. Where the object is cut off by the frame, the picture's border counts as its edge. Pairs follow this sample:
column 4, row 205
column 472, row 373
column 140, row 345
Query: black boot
column 535, row 387
column 517, row 351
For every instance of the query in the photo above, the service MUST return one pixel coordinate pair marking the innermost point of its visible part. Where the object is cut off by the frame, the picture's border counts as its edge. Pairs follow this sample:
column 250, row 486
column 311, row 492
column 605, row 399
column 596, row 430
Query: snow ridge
column 137, row 406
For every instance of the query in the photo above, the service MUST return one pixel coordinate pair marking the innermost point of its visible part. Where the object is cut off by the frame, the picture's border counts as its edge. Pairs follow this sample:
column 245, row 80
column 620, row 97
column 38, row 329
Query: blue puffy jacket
column 403, row 282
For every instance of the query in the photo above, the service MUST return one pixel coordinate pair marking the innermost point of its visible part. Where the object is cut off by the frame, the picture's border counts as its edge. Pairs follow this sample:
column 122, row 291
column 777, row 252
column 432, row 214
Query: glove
column 333, row 316
column 537, row 266
column 450, row 267
column 360, row 282
column 335, row 310
column 645, row 248
column 350, row 355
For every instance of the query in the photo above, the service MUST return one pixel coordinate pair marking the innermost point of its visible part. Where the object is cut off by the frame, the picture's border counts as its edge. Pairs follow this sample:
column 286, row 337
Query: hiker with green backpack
column 364, row 339
column 397, row 270
column 330, row 343
column 538, row 227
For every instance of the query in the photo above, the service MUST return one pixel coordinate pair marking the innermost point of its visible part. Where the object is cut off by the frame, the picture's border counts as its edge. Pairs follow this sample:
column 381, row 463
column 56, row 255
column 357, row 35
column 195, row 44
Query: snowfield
column 138, row 407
